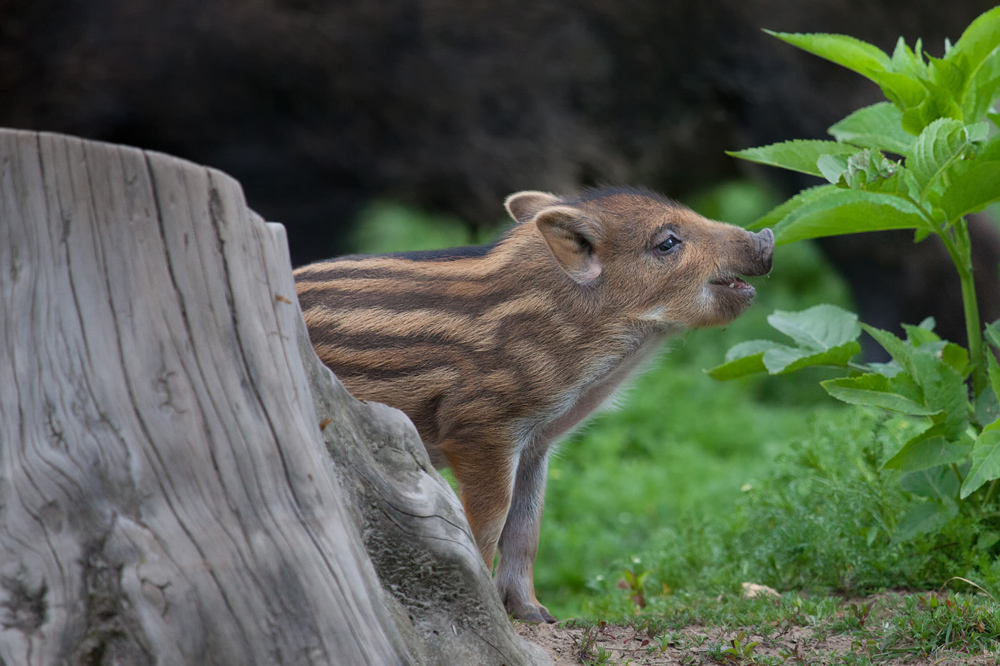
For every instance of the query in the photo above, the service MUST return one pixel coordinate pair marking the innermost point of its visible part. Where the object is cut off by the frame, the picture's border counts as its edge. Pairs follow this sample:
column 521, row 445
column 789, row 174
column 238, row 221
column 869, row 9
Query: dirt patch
column 566, row 643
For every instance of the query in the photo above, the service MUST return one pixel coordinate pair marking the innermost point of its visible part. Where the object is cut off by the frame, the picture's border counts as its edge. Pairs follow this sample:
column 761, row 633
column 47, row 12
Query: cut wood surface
column 165, row 492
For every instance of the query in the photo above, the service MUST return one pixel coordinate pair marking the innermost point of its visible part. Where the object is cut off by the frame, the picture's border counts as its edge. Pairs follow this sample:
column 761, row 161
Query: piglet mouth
column 734, row 284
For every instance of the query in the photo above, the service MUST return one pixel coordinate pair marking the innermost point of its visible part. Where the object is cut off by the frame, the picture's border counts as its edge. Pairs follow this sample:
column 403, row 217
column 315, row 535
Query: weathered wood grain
column 165, row 493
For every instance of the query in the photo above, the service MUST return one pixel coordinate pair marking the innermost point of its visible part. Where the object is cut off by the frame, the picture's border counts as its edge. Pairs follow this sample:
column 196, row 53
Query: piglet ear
column 522, row 206
column 573, row 239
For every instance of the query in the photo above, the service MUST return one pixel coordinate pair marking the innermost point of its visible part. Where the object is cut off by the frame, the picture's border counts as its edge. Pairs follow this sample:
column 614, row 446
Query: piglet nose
column 764, row 240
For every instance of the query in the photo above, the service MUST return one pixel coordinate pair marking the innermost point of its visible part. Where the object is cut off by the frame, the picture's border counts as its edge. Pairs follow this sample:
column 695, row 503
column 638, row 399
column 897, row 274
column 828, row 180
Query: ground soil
column 564, row 642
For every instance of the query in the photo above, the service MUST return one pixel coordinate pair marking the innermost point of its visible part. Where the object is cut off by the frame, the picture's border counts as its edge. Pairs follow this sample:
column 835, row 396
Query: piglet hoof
column 545, row 614
column 531, row 614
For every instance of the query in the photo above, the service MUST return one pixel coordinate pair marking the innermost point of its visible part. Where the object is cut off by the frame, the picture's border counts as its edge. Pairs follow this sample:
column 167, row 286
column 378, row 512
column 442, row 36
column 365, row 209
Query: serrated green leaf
column 985, row 460
column 992, row 333
column 945, row 389
column 982, row 89
column 878, row 126
column 928, row 449
column 989, row 150
column 994, row 372
column 779, row 213
column 929, row 516
column 900, row 352
column 900, row 184
column 743, row 359
column 826, row 335
column 938, row 482
column 798, row 155
column 978, row 131
column 750, row 348
column 986, row 407
column 956, row 357
column 940, row 144
column 907, row 61
column 848, row 52
column 847, row 211
column 903, row 91
column 873, row 390
column 818, row 328
column 867, row 168
column 906, row 386
column 890, row 369
column 971, row 188
column 919, row 335
column 978, row 40
column 936, row 104
column 863, row 58
column 783, row 360
column 949, row 75
column 832, row 167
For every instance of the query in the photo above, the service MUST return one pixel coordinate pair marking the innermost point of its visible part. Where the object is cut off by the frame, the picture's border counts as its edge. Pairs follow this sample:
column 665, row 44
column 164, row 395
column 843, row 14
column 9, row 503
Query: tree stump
column 166, row 495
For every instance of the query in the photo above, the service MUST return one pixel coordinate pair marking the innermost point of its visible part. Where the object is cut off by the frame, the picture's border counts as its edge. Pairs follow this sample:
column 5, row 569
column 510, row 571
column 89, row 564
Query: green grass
column 821, row 521
column 732, row 630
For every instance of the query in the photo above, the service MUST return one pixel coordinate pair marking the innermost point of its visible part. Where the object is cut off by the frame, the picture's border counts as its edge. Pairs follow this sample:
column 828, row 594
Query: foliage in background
column 935, row 122
column 387, row 227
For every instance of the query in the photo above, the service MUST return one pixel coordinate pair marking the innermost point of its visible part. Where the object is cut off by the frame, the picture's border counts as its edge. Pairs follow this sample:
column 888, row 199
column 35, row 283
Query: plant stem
column 961, row 255
column 989, row 492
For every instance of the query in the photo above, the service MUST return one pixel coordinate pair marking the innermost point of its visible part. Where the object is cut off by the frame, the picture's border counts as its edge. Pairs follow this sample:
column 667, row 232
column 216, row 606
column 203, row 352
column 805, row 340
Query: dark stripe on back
column 403, row 300
column 387, row 340
column 445, row 254
column 338, row 268
column 372, row 373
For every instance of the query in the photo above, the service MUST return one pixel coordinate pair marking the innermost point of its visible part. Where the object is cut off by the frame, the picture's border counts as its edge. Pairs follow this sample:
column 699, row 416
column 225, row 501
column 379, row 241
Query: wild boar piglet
column 497, row 351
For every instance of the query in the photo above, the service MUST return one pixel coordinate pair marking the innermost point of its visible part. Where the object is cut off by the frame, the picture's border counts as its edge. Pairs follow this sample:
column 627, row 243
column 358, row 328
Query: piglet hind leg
column 485, row 477
column 519, row 541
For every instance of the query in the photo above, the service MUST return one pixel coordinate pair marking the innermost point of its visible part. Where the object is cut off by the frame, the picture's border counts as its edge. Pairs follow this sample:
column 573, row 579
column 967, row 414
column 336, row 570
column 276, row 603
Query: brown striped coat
column 497, row 351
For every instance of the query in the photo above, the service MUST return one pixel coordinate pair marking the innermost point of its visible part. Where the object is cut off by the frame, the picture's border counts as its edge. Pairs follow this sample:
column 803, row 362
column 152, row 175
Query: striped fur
column 496, row 351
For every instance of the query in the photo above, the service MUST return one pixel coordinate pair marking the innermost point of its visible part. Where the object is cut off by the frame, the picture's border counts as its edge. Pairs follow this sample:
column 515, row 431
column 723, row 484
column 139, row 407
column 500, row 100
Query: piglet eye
column 668, row 244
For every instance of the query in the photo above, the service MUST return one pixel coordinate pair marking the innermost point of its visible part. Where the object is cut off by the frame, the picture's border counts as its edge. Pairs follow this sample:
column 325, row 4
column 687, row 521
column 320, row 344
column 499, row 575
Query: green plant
column 634, row 582
column 921, row 624
column 856, row 616
column 740, row 650
column 587, row 649
column 948, row 166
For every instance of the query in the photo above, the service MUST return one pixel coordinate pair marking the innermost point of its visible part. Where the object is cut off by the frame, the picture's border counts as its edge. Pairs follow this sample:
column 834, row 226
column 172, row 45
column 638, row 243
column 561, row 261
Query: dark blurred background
column 319, row 107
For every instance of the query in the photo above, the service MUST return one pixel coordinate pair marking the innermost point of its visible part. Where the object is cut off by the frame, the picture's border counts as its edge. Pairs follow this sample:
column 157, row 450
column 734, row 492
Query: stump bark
column 166, row 490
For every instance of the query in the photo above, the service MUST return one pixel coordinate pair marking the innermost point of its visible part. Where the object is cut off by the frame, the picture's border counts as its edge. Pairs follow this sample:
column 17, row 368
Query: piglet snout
column 764, row 241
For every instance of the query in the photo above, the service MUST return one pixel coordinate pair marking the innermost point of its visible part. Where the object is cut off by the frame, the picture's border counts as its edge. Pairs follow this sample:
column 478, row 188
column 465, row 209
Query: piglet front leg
column 519, row 541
